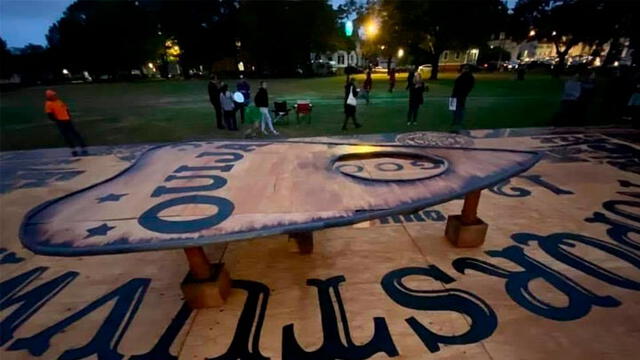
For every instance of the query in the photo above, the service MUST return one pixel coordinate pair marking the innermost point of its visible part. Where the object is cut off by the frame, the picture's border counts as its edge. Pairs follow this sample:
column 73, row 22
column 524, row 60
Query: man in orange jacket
column 58, row 112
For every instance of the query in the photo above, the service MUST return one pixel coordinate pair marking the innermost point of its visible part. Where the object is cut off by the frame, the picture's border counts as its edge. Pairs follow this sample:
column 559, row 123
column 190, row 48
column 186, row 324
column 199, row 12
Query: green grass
column 173, row 110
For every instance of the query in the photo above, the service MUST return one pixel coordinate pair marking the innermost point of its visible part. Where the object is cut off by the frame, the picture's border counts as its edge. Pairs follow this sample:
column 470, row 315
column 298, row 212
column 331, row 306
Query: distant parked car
column 323, row 68
column 77, row 78
column 510, row 65
column 350, row 70
column 472, row 67
column 425, row 71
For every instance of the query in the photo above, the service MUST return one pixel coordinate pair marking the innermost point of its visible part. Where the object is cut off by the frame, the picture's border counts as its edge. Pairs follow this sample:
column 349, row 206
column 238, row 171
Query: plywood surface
column 521, row 297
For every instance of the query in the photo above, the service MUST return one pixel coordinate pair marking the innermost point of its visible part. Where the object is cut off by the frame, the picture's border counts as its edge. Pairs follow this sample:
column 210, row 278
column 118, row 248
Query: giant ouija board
column 190, row 194
column 558, row 275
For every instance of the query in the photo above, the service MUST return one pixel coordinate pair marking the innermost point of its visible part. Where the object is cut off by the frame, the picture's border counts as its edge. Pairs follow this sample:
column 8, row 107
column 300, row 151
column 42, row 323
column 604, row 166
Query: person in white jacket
column 350, row 103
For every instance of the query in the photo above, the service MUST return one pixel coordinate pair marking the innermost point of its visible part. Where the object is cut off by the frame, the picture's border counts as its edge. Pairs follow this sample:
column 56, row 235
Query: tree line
column 276, row 37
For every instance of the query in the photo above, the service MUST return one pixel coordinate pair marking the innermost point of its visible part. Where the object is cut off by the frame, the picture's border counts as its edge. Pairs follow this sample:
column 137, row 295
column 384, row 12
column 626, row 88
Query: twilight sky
column 27, row 21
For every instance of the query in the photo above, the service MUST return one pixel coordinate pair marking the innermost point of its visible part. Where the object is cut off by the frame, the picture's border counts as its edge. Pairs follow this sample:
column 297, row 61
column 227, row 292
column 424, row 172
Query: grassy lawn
column 157, row 111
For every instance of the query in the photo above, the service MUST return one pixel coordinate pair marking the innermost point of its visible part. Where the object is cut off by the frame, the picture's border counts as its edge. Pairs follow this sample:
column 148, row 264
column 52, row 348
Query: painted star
column 101, row 230
column 110, row 197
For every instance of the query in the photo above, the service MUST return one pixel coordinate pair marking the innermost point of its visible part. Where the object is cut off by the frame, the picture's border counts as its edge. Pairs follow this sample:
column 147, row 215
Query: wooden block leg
column 467, row 229
column 301, row 242
column 206, row 285
column 207, row 293
column 461, row 235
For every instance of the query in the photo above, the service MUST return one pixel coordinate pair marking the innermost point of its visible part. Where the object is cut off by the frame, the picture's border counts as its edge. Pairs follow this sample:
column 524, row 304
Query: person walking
column 214, row 99
column 245, row 89
column 392, row 78
column 367, row 85
column 570, row 103
column 228, row 108
column 350, row 102
column 461, row 88
column 411, row 77
column 522, row 70
column 58, row 112
column 415, row 99
column 262, row 103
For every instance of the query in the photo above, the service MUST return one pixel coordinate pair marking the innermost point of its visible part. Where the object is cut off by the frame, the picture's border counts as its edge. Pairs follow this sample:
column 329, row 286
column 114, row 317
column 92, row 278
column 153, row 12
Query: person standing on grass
column 58, row 112
column 262, row 103
column 392, row 79
column 415, row 99
column 245, row 89
column 367, row 85
column 214, row 99
column 350, row 102
column 570, row 103
column 228, row 108
column 411, row 77
column 461, row 89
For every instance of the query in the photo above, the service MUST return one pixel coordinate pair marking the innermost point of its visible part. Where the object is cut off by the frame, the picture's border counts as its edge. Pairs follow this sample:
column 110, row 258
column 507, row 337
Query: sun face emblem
column 390, row 166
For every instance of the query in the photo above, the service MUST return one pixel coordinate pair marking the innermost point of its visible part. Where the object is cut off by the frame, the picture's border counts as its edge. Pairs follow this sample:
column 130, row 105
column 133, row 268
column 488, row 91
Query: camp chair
column 280, row 111
column 303, row 107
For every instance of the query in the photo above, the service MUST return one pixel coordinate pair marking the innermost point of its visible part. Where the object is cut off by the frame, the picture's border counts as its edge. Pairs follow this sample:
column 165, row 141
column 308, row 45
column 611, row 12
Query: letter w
column 30, row 301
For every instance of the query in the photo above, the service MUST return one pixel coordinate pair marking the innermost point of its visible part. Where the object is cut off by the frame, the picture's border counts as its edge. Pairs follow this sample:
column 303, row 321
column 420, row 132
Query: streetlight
column 532, row 33
column 371, row 28
column 400, row 53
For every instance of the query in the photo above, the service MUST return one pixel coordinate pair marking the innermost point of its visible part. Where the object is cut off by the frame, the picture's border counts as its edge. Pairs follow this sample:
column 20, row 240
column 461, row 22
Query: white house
column 340, row 58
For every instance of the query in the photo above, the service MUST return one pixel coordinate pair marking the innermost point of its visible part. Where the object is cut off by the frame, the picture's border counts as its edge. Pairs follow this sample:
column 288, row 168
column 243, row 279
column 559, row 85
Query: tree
column 104, row 36
column 430, row 27
column 568, row 23
column 278, row 36
column 6, row 60
column 203, row 30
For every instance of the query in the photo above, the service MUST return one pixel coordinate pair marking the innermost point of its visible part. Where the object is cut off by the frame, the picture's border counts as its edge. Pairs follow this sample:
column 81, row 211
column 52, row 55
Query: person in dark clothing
column 461, row 89
column 214, row 99
column 522, row 70
column 392, row 79
column 245, row 89
column 415, row 99
column 350, row 102
column 58, row 112
column 367, row 85
column 228, row 108
column 410, row 77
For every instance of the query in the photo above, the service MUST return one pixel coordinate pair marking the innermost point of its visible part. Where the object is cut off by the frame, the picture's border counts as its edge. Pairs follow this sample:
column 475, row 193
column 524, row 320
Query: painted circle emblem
column 390, row 166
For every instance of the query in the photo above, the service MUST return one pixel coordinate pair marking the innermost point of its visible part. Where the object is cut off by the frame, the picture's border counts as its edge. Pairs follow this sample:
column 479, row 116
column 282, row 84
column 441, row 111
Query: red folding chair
column 303, row 107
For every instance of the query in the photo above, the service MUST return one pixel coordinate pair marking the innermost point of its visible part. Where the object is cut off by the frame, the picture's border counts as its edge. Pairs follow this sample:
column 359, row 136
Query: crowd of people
column 416, row 87
column 623, row 97
column 227, row 104
column 618, row 92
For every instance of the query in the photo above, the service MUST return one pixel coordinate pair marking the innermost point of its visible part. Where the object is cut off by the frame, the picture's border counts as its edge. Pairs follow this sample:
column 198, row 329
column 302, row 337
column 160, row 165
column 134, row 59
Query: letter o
column 151, row 221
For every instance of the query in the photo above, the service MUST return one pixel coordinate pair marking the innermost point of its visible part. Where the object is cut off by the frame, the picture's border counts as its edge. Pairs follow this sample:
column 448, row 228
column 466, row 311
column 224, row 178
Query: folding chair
column 303, row 107
column 280, row 111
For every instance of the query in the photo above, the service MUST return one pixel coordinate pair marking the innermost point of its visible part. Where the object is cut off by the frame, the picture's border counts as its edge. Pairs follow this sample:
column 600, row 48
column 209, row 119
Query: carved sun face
column 390, row 166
